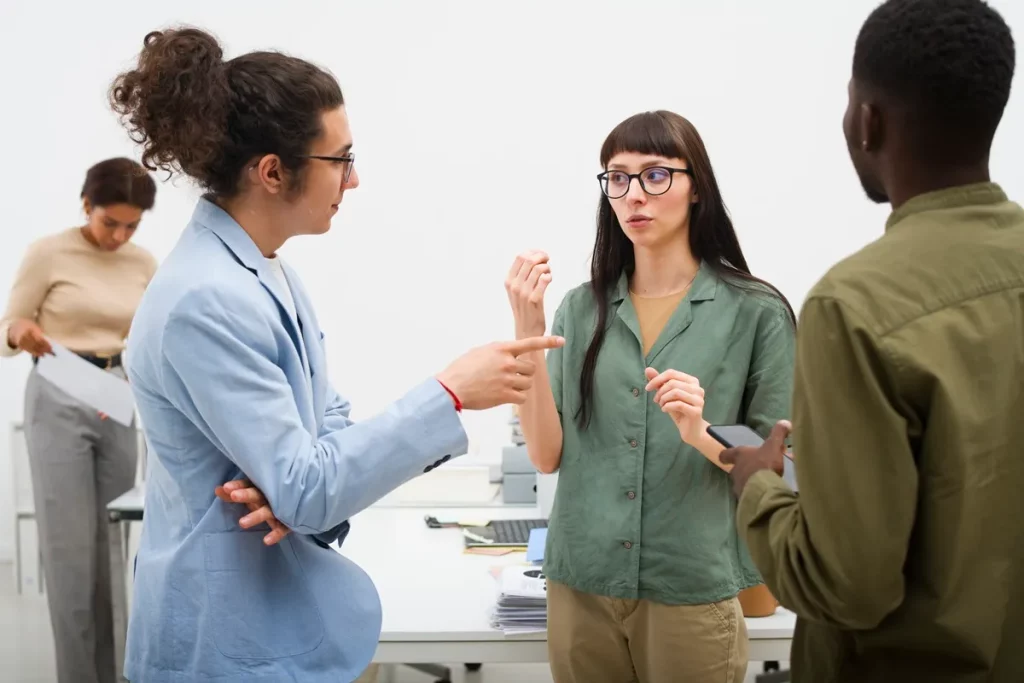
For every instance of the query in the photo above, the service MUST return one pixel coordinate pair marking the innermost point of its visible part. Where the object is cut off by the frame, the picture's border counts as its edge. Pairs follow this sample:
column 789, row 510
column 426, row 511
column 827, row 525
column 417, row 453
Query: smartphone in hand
column 733, row 436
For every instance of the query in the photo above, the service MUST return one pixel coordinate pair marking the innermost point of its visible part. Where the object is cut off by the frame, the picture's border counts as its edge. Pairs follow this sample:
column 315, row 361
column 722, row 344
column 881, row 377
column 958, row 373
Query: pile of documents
column 522, row 601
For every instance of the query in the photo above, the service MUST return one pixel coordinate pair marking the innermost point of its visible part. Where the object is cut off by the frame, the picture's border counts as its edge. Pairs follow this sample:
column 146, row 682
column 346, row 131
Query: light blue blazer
column 228, row 384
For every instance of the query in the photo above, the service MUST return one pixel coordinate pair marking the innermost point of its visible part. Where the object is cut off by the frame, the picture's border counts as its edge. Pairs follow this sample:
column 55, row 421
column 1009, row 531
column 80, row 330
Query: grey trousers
column 79, row 463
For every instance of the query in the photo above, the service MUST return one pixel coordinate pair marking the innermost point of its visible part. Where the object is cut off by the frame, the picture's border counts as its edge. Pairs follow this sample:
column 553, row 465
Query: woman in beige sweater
column 79, row 288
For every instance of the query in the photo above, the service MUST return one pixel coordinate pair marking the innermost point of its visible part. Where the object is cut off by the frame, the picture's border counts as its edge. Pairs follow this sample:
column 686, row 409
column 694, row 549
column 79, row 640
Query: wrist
column 705, row 443
column 526, row 332
column 456, row 401
column 9, row 337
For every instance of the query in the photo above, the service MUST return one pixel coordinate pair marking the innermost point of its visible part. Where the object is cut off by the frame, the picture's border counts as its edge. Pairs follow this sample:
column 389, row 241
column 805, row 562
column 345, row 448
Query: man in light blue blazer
column 231, row 383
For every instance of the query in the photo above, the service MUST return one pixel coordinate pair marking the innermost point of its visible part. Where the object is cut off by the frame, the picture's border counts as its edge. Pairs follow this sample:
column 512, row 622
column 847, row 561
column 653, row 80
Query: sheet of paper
column 93, row 386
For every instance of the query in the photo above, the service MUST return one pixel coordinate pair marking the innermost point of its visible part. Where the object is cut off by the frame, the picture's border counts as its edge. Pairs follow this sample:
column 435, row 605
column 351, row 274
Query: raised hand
column 525, row 284
column 681, row 396
column 495, row 374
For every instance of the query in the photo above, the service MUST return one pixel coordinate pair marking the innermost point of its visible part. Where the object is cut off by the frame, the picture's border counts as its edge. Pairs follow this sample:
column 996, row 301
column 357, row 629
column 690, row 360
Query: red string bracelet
column 458, row 403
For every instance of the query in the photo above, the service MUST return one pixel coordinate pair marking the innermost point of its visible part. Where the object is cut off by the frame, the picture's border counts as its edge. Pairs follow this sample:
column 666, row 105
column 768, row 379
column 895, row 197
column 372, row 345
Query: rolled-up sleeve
column 554, row 356
column 769, row 391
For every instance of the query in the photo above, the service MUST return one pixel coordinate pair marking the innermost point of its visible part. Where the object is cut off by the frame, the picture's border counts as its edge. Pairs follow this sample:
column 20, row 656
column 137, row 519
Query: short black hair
column 950, row 62
column 119, row 181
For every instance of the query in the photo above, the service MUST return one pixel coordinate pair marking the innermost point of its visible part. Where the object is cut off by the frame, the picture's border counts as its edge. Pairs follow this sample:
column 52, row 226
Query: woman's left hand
column 242, row 491
column 681, row 396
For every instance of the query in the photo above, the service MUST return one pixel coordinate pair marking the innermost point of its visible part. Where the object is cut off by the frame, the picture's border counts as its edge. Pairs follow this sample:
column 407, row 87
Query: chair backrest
column 21, row 475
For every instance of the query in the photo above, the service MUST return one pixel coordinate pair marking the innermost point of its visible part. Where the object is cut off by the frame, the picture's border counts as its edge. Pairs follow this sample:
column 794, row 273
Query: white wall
column 477, row 130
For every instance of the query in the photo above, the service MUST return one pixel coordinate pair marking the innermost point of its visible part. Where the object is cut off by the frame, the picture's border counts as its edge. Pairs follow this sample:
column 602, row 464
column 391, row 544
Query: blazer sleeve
column 219, row 371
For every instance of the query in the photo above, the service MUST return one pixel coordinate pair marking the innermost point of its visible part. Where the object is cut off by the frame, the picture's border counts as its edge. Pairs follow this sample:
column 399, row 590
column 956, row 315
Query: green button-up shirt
column 903, row 554
column 639, row 514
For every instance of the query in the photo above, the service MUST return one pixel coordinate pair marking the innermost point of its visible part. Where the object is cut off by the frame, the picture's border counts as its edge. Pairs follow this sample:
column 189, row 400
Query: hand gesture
column 747, row 461
column 243, row 492
column 525, row 284
column 682, row 397
column 26, row 335
column 495, row 374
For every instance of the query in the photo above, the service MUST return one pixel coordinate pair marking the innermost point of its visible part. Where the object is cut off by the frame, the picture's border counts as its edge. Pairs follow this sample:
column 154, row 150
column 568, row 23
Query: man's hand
column 747, row 461
column 243, row 492
column 496, row 374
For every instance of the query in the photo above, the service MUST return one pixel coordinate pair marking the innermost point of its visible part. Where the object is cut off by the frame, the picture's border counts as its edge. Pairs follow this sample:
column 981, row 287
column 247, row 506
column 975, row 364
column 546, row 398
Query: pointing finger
column 521, row 346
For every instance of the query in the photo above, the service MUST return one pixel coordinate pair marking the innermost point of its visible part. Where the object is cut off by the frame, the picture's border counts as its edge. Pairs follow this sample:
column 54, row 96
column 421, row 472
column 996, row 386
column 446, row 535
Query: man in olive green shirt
column 903, row 554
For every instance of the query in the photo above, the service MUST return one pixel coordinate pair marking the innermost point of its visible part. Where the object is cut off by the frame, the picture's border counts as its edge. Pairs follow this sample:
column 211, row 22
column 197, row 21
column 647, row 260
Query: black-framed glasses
column 654, row 180
column 348, row 159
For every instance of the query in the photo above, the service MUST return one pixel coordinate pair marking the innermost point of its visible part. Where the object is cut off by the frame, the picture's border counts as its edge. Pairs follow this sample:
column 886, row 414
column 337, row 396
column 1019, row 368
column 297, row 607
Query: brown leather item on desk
column 758, row 601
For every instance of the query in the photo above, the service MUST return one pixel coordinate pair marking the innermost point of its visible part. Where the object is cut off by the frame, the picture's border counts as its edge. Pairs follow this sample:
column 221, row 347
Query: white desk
column 449, row 621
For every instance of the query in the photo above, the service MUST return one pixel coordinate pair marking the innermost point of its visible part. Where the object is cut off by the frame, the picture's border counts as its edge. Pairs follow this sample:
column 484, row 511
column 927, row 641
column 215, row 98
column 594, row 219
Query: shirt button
column 627, row 545
column 636, row 392
column 631, row 495
column 632, row 443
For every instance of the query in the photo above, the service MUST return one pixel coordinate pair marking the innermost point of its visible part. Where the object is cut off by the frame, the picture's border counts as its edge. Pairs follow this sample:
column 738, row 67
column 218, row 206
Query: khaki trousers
column 370, row 675
column 596, row 639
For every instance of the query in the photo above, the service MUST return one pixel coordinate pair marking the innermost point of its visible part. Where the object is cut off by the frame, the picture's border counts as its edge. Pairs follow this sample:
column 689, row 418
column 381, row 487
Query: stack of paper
column 522, row 601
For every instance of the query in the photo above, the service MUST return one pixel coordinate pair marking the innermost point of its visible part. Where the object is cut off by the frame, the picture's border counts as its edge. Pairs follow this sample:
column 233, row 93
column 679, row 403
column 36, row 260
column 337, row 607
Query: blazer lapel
column 237, row 240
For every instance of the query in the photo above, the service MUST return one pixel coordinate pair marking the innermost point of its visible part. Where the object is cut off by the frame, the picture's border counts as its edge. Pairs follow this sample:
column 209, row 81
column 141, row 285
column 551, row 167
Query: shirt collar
column 704, row 287
column 949, row 198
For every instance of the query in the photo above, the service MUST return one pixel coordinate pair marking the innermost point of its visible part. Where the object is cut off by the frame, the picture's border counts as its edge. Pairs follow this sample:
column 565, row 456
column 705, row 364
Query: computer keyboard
column 515, row 531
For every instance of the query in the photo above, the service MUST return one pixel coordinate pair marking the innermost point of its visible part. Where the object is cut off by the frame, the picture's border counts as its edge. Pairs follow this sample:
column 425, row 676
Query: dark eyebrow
column 344, row 150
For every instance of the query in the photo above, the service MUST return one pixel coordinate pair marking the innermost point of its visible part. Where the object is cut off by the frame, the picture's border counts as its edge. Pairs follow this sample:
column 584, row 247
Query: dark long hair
column 712, row 236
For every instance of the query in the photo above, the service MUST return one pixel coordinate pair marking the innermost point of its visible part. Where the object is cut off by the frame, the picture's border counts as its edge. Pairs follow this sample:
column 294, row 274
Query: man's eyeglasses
column 348, row 159
column 654, row 180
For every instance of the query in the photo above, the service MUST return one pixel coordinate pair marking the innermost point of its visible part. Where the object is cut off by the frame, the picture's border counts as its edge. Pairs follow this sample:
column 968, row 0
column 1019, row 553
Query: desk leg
column 118, row 592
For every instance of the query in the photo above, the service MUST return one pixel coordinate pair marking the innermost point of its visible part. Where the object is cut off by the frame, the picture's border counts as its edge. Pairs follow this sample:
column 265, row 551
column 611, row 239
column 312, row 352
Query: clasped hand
column 242, row 492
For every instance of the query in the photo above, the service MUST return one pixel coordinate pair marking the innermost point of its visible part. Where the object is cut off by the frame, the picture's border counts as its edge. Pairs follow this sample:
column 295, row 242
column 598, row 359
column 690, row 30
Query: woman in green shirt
column 672, row 333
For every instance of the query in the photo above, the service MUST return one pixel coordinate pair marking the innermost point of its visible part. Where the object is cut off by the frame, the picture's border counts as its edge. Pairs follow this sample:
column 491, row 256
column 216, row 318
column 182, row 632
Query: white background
column 477, row 129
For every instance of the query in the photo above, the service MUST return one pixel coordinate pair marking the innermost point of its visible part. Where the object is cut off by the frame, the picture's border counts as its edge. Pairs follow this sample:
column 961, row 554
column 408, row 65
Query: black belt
column 102, row 362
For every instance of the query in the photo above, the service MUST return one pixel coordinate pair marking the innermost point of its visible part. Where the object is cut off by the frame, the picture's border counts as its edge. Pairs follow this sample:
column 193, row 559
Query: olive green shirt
column 639, row 514
column 903, row 555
